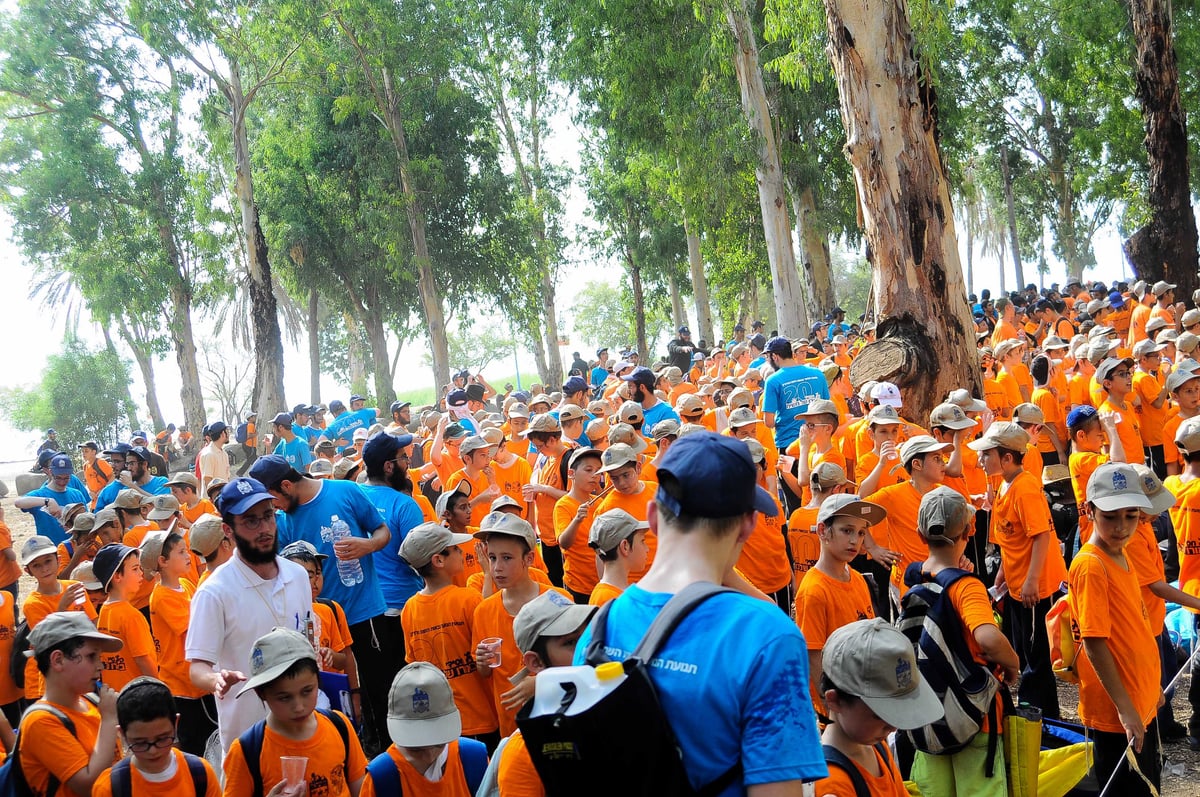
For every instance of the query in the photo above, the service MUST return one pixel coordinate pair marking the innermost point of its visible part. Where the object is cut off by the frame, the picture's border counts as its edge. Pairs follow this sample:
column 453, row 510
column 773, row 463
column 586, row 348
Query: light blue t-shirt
column 296, row 452
column 311, row 522
column 733, row 681
column 659, row 412
column 398, row 581
column 48, row 525
column 598, row 376
column 156, row 486
column 786, row 394
column 341, row 429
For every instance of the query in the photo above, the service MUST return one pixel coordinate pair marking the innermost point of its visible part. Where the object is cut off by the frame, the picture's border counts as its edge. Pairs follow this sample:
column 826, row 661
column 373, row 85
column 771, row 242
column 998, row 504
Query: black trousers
column 379, row 652
column 1027, row 632
column 1109, row 750
column 197, row 721
column 552, row 556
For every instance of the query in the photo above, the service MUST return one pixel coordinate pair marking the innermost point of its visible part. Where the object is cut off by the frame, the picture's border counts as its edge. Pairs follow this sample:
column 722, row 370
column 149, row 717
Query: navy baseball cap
column 601, row 350
column 119, row 448
column 642, row 375
column 779, row 345
column 356, row 397
column 1080, row 414
column 108, row 561
column 301, row 409
column 243, row 493
column 283, row 419
column 759, row 341
column 43, row 460
column 574, row 385
column 139, row 434
column 456, row 398
column 399, row 405
column 269, row 470
column 336, row 405
column 216, row 427
column 684, row 331
column 707, row 475
column 738, row 328
column 382, row 447
column 60, row 465
column 140, row 452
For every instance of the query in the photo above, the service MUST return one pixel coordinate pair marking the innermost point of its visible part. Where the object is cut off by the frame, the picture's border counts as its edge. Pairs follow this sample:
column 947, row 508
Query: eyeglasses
column 1119, row 375
column 161, row 742
column 255, row 521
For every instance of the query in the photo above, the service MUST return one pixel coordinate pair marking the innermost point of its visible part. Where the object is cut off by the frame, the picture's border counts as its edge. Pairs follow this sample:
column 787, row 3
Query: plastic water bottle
column 589, row 684
column 349, row 570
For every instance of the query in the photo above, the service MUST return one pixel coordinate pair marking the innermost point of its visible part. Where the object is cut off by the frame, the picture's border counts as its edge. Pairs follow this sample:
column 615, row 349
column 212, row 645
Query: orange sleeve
column 136, row 634
column 516, row 776
column 53, row 750
column 237, row 776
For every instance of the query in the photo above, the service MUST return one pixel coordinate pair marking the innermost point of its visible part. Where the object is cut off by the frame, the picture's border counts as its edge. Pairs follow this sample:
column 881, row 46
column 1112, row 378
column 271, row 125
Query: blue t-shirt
column 296, row 452
column 837, row 329
column 311, row 522
column 156, row 486
column 733, row 681
column 307, row 433
column 659, row 412
column 757, row 362
column 786, row 394
column 398, row 581
column 598, row 376
column 341, row 429
column 47, row 524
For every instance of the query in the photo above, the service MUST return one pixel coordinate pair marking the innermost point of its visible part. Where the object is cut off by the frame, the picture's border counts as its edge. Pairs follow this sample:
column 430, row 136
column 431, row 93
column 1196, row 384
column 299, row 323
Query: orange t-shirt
column 764, row 559
column 517, row 776
column 1012, row 389
column 1152, row 419
column 491, row 619
column 1004, row 331
column 637, row 505
column 579, row 560
column 1171, row 454
column 888, row 783
column 1144, row 557
column 1185, row 517
column 471, row 564
column 332, row 632
column 997, row 400
column 135, row 534
column 127, row 624
column 1078, row 385
column 478, row 485
column 170, row 611
column 330, row 769
column 603, row 593
column 902, row 502
column 825, row 604
column 1107, row 604
column 803, row 540
column 10, row 569
column 548, row 475
column 866, row 463
column 1048, row 404
column 414, row 784
column 180, row 784
column 1137, row 324
column 202, row 507
column 1165, row 313
column 9, row 691
column 1020, row 513
column 49, row 749
column 512, row 477
column 439, row 629
column 34, row 609
column 1128, row 429
column 97, row 480
column 1082, row 465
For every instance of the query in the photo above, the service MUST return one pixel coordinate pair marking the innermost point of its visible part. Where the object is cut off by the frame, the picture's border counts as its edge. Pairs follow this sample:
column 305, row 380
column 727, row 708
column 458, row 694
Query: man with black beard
column 386, row 458
column 242, row 600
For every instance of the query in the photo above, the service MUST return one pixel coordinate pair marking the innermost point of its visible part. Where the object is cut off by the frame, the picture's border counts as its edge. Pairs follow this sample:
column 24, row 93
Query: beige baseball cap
column 1161, row 499
column 596, row 430
column 758, row 452
column 1053, row 343
column 273, row 653
column 424, row 541
column 518, row 410
column 819, row 407
column 83, row 522
column 1187, row 342
column 667, row 427
column 743, row 416
column 542, row 422
column 689, row 404
column 150, row 550
column 1028, row 413
column 508, row 525
column 205, row 534
column 1115, row 485
column 1190, row 318
column 883, row 415
column 185, row 478
column 164, row 506
column 1187, row 437
column 921, row 444
column 871, row 660
column 1179, row 377
column 320, row 468
column 472, row 444
column 548, row 615
column 60, row 626
column 1155, row 324
column 85, row 575
column 104, row 517
column 505, row 500
column 845, row 505
column 617, row 455
column 580, row 453
column 421, row 708
column 127, row 499
column 827, row 475
column 35, row 547
column 946, row 508
column 443, row 503
column 613, row 526
column 1104, row 370
column 631, row 412
column 962, row 398
column 626, row 434
column 1004, row 347
column 571, row 412
column 1002, row 434
column 739, row 397
column 1147, row 346
column 951, row 416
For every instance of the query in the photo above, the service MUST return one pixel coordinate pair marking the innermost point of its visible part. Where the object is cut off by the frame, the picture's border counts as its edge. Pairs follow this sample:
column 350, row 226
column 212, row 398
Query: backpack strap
column 673, row 613
column 947, row 577
column 342, row 730
column 385, row 777
column 473, row 754
column 837, row 758
column 489, row 785
column 119, row 780
column 52, row 786
column 251, row 742
column 199, row 773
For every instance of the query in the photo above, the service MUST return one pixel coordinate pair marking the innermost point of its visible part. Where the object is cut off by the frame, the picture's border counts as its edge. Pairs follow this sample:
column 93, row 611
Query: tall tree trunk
column 1014, row 241
column 145, row 362
column 816, row 274
column 1075, row 253
column 554, row 364
column 381, row 365
column 538, row 343
column 268, row 345
column 754, row 312
column 355, row 355
column 970, row 257
column 1165, row 248
column 314, row 347
column 190, row 392
column 704, row 324
column 639, row 304
column 790, row 312
column 678, row 316
column 126, row 398
column 927, row 338
column 431, row 300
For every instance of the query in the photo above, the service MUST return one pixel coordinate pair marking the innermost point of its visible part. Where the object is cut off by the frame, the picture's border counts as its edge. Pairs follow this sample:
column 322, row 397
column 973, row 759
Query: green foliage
column 476, row 347
column 80, row 395
column 602, row 315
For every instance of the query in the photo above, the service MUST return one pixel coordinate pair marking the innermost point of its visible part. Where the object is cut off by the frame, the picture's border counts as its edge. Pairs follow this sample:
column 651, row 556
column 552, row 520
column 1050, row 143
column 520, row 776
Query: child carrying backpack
column 947, row 616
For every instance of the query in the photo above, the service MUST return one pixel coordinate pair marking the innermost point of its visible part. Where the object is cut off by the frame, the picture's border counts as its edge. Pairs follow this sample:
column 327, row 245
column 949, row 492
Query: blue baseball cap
column 643, row 376
column 108, row 561
column 574, row 385
column 43, row 460
column 301, row 409
column 456, row 398
column 60, row 465
column 1080, row 414
column 707, row 475
column 119, row 448
column 241, row 494
column 383, row 446
column 270, row 470
column 1116, row 300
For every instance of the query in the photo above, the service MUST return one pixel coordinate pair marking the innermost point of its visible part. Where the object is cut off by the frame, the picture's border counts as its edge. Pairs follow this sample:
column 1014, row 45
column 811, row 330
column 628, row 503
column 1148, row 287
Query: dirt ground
column 1184, row 784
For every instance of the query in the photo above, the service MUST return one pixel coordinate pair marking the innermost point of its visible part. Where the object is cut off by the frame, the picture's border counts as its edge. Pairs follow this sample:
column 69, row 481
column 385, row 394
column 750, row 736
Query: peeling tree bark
column 1165, row 248
column 926, row 334
column 1014, row 241
column 815, row 272
column 791, row 315
column 677, row 314
column 704, row 324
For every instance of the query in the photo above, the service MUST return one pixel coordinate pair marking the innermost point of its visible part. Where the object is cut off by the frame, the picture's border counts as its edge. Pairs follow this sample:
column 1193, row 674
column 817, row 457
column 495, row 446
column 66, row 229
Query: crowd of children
column 532, row 509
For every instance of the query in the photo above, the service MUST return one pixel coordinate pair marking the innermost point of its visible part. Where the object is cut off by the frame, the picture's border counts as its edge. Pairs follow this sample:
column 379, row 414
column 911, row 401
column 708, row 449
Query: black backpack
column 627, row 730
column 12, row 777
column 17, row 659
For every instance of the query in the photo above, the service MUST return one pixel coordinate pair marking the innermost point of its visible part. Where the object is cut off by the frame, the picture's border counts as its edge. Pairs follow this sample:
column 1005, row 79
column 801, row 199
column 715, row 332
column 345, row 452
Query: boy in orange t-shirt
column 477, row 456
column 832, row 594
column 1118, row 693
column 66, row 650
column 573, row 515
column 40, row 560
column 946, row 522
column 283, row 674
column 1031, row 562
column 764, row 558
column 119, row 571
column 1089, row 430
column 827, row 479
column 1116, row 377
column 621, row 464
column 1185, row 517
column 619, row 540
column 439, row 622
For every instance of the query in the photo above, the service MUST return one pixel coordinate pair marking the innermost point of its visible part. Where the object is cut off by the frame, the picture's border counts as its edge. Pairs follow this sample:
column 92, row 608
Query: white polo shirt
column 232, row 609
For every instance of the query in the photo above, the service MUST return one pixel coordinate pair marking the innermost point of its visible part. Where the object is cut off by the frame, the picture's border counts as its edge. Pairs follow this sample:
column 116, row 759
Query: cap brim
column 155, row 514
column 1161, row 502
column 270, row 674
column 569, row 621
column 891, row 402
column 1132, row 500
column 963, row 424
column 108, row 644
column 982, row 444
column 423, row 733
column 248, row 502
column 616, row 466
column 763, row 502
column 863, row 510
column 916, row 709
column 460, row 539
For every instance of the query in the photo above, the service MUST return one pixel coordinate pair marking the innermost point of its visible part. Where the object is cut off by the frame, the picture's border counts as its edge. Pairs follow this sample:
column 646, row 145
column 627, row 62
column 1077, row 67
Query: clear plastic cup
column 492, row 645
column 294, row 767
